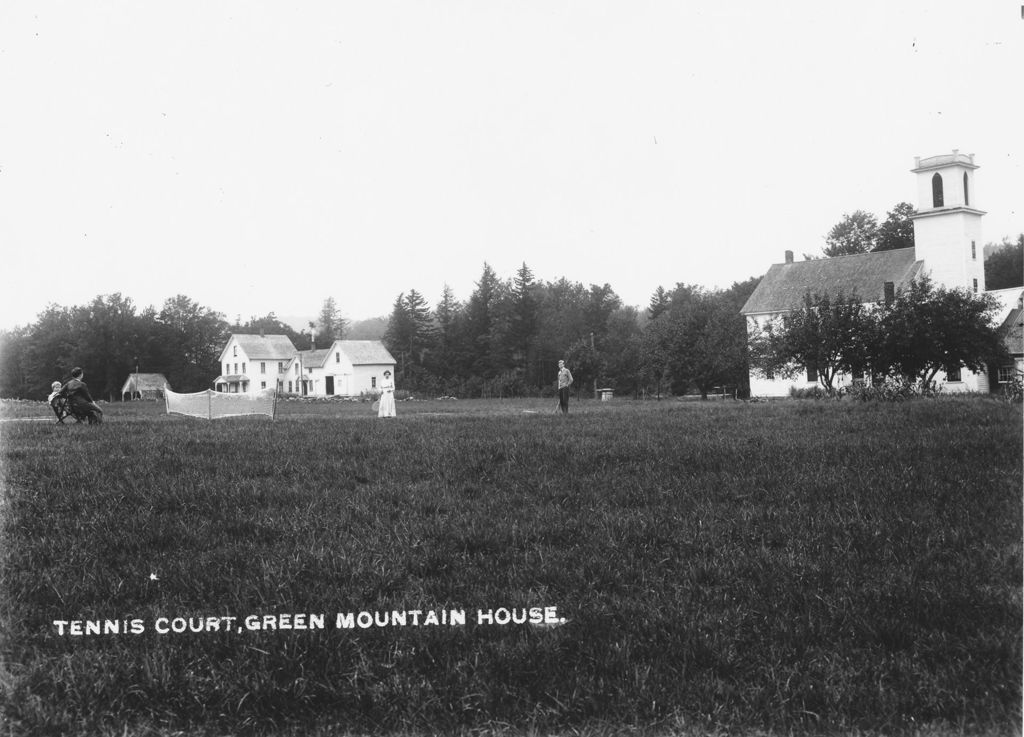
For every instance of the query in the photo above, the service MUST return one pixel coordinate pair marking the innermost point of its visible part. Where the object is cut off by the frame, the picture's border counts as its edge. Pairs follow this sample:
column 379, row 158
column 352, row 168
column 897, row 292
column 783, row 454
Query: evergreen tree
column 658, row 304
column 480, row 314
column 1004, row 266
column 330, row 325
column 523, row 326
column 443, row 359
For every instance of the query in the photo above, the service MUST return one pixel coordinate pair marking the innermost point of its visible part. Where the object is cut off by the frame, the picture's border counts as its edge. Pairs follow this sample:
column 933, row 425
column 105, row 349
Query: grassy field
column 722, row 568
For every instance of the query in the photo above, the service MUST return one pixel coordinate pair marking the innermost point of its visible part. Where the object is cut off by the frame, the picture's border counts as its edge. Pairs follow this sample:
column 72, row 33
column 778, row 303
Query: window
column 974, row 251
column 263, row 368
column 234, row 351
column 1006, row 373
column 953, row 373
column 975, row 285
column 236, row 368
column 337, row 357
column 812, row 373
column 373, row 382
column 309, row 371
column 227, row 369
column 937, row 190
column 289, row 386
column 243, row 367
column 967, row 200
column 280, row 367
column 263, row 385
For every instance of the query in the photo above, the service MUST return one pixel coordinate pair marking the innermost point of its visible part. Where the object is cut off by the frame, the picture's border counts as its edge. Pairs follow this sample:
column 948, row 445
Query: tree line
column 110, row 338
column 507, row 337
column 504, row 340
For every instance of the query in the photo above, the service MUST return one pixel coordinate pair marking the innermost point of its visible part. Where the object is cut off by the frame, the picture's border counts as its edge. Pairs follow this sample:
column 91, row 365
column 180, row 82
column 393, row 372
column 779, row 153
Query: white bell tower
column 947, row 226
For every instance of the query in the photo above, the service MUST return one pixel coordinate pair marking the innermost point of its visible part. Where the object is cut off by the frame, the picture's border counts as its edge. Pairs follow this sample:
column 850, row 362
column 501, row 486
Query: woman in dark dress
column 80, row 402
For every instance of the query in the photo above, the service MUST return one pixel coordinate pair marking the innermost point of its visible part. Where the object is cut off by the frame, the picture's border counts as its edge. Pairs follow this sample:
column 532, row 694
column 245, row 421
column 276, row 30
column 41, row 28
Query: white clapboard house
column 348, row 368
column 947, row 247
column 252, row 363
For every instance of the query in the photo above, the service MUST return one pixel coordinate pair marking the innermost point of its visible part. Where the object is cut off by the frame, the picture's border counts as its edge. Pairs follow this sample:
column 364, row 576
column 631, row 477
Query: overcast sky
column 257, row 156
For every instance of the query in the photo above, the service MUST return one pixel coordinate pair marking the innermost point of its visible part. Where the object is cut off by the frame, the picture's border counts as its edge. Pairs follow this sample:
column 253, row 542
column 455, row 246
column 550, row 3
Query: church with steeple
column 947, row 247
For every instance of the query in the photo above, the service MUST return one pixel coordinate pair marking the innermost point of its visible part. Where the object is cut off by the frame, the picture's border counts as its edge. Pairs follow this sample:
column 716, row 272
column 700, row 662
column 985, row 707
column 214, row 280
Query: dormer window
column 937, row 200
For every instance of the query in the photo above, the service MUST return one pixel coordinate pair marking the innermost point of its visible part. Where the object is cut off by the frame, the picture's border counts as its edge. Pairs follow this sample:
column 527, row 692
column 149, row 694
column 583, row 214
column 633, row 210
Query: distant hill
column 297, row 322
column 370, row 329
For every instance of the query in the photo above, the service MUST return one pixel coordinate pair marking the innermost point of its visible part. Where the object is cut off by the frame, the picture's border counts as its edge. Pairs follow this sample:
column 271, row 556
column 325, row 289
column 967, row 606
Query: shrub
column 1013, row 390
column 811, row 392
column 892, row 389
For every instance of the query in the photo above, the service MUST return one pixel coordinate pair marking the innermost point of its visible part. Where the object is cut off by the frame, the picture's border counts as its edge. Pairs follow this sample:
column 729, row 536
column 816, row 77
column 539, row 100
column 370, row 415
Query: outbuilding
column 144, row 386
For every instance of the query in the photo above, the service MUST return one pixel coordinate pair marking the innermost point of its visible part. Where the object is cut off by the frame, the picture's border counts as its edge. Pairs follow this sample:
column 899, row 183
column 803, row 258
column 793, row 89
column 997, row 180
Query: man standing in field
column 564, row 382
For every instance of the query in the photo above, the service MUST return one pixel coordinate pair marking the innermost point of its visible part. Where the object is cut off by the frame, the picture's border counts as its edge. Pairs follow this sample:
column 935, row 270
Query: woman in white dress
column 387, row 397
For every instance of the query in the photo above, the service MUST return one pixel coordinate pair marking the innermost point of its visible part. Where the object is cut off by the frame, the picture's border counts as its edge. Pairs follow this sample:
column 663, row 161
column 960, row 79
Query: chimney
column 789, row 257
column 889, row 292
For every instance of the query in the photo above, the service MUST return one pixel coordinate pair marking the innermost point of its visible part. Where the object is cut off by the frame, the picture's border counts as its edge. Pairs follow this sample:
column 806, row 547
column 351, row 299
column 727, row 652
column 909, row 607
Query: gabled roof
column 1012, row 331
column 862, row 275
column 265, row 346
column 143, row 382
column 361, row 352
column 358, row 352
column 230, row 378
column 314, row 358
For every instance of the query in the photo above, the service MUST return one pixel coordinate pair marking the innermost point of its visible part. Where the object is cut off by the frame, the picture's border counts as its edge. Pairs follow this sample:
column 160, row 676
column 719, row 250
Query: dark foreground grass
column 769, row 569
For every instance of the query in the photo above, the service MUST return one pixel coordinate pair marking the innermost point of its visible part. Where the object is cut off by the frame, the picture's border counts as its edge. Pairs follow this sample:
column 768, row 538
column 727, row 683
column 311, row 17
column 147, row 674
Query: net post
column 273, row 415
column 209, row 405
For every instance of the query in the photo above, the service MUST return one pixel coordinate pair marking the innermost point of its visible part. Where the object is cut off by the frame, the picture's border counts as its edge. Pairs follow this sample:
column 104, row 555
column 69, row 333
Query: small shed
column 144, row 386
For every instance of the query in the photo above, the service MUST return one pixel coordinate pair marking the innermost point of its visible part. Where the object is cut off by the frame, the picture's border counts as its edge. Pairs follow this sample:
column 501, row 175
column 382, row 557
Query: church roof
column 1013, row 331
column 862, row 275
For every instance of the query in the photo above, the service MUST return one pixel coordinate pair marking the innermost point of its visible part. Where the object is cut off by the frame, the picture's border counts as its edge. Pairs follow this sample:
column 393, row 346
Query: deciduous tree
column 898, row 229
column 827, row 335
column 857, row 232
column 929, row 328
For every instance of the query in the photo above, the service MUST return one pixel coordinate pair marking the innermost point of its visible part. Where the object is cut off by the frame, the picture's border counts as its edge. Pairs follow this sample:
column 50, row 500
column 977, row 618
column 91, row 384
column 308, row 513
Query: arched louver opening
column 967, row 199
column 937, row 190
